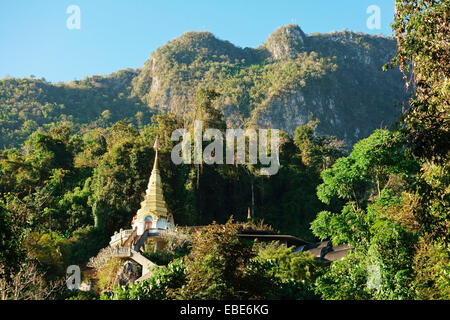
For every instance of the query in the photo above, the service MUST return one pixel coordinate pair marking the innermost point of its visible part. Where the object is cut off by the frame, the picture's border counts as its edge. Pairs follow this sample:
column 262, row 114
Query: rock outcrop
column 129, row 273
column 286, row 42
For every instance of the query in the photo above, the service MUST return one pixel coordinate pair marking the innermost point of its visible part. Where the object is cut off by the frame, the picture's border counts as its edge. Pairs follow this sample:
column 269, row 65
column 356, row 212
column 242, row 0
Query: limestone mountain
column 293, row 77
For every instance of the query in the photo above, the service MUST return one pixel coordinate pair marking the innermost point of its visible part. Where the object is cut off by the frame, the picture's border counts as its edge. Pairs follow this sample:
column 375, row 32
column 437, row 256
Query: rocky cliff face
column 127, row 274
column 286, row 42
column 292, row 78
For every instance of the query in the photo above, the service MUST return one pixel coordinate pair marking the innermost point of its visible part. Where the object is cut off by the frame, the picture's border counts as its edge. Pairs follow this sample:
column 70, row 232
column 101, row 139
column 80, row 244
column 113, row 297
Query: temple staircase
column 129, row 253
column 128, row 245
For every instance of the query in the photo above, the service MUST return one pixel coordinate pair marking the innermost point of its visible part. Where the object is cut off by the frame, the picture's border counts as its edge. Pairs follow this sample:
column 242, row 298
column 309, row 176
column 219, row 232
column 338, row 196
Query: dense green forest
column 76, row 160
column 34, row 104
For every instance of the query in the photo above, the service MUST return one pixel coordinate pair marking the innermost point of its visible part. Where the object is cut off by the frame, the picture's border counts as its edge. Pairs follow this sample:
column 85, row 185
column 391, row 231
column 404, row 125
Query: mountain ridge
column 285, row 82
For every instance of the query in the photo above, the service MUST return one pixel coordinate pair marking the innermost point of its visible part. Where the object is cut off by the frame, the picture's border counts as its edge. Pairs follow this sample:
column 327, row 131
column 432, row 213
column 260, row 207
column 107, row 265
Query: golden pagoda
column 153, row 213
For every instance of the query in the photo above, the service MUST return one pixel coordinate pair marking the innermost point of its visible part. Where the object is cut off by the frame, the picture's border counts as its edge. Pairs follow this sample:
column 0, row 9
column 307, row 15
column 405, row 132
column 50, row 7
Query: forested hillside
column 282, row 84
column 289, row 80
column 27, row 105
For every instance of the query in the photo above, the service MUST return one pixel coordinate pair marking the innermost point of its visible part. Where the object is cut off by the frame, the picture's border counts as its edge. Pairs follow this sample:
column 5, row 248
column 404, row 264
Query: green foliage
column 381, row 240
column 350, row 226
column 368, row 167
column 83, row 295
column 119, row 180
column 431, row 269
column 346, row 279
column 159, row 257
column 11, row 253
column 289, row 265
column 392, row 248
column 421, row 28
column 50, row 251
column 82, row 188
column 211, row 117
column 74, row 204
column 293, row 274
column 433, row 209
column 158, row 287
column 107, row 274
column 32, row 104
column 85, row 243
column 317, row 152
column 386, row 256
column 217, row 265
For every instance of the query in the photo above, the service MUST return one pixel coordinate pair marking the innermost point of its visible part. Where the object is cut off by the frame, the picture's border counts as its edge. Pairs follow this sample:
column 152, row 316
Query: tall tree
column 422, row 29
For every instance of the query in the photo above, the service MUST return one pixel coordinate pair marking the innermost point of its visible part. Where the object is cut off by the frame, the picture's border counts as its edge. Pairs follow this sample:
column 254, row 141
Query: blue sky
column 118, row 34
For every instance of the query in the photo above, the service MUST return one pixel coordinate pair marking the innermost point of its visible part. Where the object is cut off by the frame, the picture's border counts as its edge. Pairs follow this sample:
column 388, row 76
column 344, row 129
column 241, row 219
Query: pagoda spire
column 156, row 147
column 154, row 204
